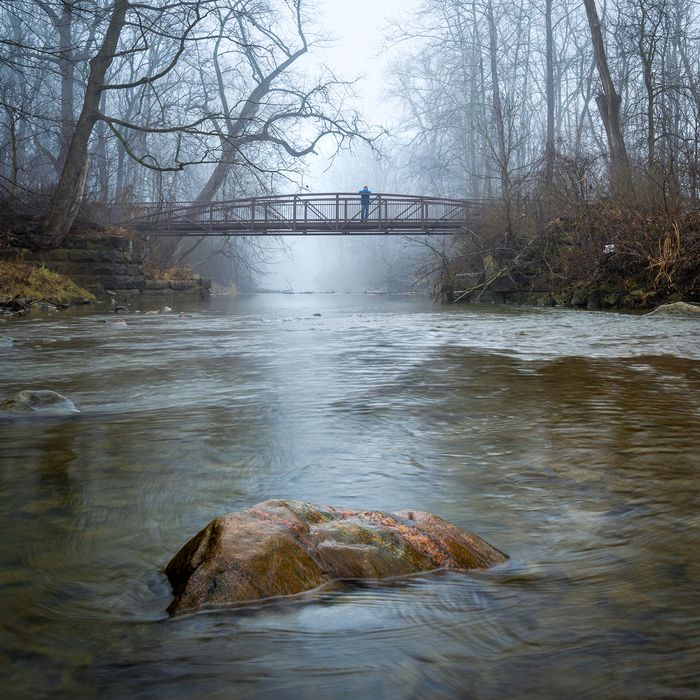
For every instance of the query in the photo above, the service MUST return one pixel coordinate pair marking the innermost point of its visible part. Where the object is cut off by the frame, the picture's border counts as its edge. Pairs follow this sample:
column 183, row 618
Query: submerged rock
column 281, row 547
column 678, row 308
column 38, row 400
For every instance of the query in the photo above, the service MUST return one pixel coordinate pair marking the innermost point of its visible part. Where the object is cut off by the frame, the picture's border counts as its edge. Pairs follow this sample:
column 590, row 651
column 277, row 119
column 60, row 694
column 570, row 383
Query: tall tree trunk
column 67, row 198
column 219, row 174
column 235, row 127
column 549, row 152
column 609, row 103
column 585, row 88
column 487, row 160
column 498, row 105
column 66, row 64
column 101, row 158
column 651, row 128
column 482, row 184
column 14, row 159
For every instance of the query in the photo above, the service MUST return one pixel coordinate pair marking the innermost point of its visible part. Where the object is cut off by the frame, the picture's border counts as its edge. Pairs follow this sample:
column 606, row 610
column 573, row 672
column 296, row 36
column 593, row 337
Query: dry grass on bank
column 18, row 279
column 621, row 255
column 626, row 247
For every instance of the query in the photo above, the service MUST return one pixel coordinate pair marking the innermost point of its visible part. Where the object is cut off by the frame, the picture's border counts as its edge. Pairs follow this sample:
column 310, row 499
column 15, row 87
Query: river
column 568, row 439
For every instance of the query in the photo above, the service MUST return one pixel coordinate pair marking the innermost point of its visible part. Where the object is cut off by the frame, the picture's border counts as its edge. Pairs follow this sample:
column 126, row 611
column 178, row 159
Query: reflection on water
column 567, row 439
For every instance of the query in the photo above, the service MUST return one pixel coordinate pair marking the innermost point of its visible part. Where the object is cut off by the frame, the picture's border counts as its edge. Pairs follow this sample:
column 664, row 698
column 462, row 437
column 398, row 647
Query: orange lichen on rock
column 282, row 547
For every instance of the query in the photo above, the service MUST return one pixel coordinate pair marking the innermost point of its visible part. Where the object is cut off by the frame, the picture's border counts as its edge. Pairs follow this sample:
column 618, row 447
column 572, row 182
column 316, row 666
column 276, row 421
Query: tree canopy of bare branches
column 497, row 95
column 121, row 100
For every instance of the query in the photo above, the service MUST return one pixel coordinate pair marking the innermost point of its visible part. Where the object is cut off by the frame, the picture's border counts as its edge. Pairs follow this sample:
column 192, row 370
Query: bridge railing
column 334, row 211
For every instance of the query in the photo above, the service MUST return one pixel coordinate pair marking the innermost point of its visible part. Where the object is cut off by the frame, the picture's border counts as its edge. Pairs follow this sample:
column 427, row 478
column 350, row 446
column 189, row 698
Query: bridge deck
column 317, row 214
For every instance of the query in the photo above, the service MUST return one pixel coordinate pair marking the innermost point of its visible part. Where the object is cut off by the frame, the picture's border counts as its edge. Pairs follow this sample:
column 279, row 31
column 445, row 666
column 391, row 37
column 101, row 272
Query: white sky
column 357, row 33
column 358, row 28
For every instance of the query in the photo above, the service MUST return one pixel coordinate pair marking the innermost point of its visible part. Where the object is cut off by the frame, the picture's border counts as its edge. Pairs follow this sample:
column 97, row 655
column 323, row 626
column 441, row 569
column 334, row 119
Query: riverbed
column 568, row 439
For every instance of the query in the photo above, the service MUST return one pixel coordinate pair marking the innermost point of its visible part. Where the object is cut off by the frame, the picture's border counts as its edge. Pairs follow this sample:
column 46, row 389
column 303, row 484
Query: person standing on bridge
column 364, row 202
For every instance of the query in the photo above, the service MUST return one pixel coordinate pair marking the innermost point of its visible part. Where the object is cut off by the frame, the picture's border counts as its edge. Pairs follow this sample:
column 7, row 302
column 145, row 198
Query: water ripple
column 568, row 439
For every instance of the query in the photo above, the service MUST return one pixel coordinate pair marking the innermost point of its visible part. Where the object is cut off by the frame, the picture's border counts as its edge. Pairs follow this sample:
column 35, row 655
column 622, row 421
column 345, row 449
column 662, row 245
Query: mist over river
column 568, row 439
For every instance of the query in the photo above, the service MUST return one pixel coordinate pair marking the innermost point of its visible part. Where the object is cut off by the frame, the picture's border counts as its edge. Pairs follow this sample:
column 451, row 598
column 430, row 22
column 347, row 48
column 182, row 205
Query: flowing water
column 570, row 440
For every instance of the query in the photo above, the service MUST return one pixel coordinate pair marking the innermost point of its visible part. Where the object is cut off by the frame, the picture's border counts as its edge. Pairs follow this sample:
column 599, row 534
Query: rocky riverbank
column 95, row 265
column 24, row 286
column 520, row 286
column 601, row 255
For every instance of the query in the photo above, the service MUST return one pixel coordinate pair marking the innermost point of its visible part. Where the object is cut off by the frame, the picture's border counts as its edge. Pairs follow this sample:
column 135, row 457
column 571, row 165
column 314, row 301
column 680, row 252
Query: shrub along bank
column 601, row 255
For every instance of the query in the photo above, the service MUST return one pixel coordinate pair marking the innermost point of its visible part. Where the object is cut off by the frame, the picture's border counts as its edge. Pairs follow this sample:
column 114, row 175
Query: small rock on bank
column 41, row 400
column 282, row 547
column 678, row 308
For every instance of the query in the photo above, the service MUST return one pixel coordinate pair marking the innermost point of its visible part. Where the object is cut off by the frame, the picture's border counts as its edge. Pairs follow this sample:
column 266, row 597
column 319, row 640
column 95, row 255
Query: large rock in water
column 678, row 308
column 279, row 548
column 38, row 400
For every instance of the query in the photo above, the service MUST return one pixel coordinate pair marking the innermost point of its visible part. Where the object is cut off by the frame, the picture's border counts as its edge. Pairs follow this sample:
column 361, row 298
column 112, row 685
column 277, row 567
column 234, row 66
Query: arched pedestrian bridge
column 314, row 214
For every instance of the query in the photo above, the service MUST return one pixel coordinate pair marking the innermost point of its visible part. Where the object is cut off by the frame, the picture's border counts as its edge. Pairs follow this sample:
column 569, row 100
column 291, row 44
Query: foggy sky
column 357, row 32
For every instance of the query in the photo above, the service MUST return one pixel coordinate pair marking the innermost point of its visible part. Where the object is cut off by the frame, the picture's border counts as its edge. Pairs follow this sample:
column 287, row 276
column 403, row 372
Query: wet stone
column 38, row 400
column 679, row 308
column 281, row 547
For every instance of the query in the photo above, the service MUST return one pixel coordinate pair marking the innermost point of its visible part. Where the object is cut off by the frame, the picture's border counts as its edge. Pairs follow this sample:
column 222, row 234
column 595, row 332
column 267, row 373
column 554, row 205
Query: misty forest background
column 577, row 122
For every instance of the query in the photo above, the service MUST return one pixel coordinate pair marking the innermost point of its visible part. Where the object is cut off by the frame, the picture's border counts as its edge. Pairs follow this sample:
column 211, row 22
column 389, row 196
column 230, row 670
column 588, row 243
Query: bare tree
column 549, row 149
column 147, row 105
column 68, row 195
column 609, row 103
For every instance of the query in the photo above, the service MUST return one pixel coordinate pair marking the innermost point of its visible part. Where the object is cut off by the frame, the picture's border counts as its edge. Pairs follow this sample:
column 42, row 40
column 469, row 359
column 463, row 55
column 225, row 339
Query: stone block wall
column 200, row 285
column 96, row 263
column 100, row 263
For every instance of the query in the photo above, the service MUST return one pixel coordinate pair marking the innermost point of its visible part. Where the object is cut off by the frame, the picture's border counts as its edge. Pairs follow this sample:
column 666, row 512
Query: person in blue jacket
column 364, row 202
